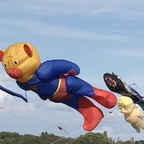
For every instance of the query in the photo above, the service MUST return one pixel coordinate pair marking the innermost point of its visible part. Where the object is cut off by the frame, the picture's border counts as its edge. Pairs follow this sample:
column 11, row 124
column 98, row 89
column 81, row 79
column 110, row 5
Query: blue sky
column 100, row 36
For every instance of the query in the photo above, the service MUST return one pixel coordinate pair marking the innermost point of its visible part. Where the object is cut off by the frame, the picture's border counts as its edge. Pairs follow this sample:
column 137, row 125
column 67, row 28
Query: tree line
column 46, row 138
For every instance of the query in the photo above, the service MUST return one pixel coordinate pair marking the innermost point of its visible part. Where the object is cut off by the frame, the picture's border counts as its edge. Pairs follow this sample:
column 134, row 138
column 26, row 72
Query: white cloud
column 78, row 8
column 60, row 31
column 54, row 7
column 128, row 52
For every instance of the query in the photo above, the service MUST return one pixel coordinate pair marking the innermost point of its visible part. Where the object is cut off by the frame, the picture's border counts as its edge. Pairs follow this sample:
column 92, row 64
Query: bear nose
column 14, row 73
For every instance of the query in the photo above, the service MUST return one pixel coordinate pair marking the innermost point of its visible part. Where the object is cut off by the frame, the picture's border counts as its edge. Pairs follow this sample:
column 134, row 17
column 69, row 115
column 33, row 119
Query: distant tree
column 139, row 142
column 9, row 138
column 2, row 141
column 93, row 138
column 29, row 139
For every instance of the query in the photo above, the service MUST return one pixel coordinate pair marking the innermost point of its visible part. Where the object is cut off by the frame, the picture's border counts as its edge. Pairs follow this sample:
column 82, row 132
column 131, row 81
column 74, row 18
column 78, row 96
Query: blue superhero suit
column 56, row 80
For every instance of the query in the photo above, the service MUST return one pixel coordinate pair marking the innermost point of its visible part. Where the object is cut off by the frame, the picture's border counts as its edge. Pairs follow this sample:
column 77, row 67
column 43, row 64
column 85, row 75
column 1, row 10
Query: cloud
column 128, row 52
column 77, row 8
column 39, row 18
column 53, row 7
column 59, row 31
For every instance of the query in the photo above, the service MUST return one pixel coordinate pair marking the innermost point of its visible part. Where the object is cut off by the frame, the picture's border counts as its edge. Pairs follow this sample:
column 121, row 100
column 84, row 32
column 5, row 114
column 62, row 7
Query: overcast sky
column 100, row 36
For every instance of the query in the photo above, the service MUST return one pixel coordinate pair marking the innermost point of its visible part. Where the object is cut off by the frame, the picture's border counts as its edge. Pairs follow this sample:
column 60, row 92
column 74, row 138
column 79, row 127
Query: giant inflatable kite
column 115, row 84
column 132, row 112
column 55, row 80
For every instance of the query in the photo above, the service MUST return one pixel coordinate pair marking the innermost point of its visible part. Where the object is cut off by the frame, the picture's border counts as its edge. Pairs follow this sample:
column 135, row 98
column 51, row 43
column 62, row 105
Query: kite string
column 77, row 132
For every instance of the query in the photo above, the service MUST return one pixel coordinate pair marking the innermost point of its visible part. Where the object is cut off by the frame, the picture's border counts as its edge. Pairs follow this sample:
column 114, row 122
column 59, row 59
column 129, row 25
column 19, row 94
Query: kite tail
column 13, row 93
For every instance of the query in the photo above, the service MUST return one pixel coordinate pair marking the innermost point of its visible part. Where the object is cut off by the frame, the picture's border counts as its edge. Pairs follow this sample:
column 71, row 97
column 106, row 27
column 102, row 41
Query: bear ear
column 27, row 50
column 1, row 54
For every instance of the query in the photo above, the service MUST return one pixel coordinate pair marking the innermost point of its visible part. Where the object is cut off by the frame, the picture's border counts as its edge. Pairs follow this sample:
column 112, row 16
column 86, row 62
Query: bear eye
column 5, row 65
column 15, row 62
